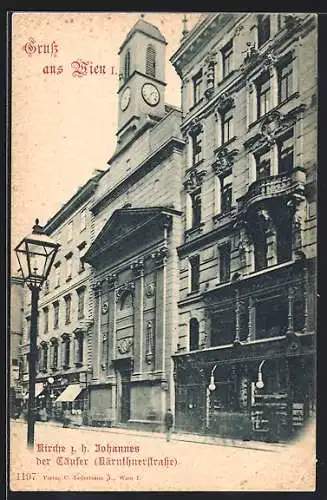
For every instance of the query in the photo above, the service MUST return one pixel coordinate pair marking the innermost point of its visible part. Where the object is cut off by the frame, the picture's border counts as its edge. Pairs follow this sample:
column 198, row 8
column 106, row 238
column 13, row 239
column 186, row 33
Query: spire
column 185, row 28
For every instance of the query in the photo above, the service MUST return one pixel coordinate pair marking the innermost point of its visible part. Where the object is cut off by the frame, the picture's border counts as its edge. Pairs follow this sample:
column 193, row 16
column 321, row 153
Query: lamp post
column 210, row 389
column 259, row 383
column 35, row 254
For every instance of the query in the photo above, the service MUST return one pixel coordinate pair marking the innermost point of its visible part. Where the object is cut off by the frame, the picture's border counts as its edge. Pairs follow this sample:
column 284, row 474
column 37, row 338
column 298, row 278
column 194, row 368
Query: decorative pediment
column 193, row 179
column 224, row 103
column 124, row 225
column 224, row 161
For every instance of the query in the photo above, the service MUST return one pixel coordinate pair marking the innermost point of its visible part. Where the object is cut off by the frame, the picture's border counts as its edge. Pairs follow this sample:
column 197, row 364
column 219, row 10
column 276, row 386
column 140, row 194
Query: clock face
column 150, row 94
column 125, row 98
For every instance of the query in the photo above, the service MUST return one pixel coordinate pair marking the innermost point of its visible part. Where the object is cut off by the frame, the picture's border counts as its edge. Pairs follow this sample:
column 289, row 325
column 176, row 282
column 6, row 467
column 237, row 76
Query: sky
column 63, row 127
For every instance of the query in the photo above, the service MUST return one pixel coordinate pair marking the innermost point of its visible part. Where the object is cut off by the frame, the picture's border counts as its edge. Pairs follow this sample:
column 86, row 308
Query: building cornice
column 164, row 151
column 80, row 197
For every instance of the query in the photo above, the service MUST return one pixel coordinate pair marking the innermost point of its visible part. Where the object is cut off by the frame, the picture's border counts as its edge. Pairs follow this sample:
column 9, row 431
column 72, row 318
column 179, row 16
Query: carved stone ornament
column 149, row 290
column 224, row 103
column 269, row 60
column 193, row 180
column 251, row 53
column 105, row 308
column 224, row 161
column 124, row 345
column 125, row 288
column 160, row 255
column 111, row 279
column 270, row 125
column 138, row 265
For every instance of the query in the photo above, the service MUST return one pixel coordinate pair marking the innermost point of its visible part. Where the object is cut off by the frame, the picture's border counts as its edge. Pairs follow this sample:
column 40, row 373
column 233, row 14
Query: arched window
column 150, row 64
column 54, row 353
column 194, row 334
column 127, row 66
column 79, row 348
column 126, row 300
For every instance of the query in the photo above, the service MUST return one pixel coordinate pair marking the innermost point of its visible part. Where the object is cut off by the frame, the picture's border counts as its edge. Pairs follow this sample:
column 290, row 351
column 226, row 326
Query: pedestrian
column 169, row 422
column 66, row 418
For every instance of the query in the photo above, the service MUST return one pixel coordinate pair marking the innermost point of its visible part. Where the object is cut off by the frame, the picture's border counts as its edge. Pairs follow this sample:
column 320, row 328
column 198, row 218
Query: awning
column 38, row 389
column 69, row 394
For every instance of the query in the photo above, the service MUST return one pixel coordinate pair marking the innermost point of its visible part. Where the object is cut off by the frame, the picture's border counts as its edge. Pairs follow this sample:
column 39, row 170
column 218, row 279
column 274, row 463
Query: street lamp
column 260, row 384
column 212, row 385
column 35, row 254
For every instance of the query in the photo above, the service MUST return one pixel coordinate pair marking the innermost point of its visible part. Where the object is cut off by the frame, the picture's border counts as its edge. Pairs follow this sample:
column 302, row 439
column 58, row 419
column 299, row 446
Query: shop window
column 227, row 126
column 56, row 314
column 150, row 65
column 286, row 153
column 68, row 306
column 81, row 302
column 226, row 193
column 127, row 66
column 196, row 148
column 271, row 317
column 194, row 334
column 263, row 164
column 224, row 262
column 194, row 273
column 196, row 207
column 223, row 327
column 263, row 28
column 285, row 79
column 263, row 94
column 227, row 57
column 197, row 87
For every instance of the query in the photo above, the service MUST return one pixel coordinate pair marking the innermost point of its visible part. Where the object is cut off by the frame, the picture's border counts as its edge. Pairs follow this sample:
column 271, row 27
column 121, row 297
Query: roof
column 146, row 28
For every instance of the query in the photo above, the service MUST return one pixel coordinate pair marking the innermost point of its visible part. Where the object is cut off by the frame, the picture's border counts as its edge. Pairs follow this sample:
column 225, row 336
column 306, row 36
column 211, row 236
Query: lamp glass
column 260, row 384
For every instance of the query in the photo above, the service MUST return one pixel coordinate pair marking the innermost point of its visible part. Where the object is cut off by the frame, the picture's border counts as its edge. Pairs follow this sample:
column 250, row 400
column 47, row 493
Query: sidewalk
column 178, row 436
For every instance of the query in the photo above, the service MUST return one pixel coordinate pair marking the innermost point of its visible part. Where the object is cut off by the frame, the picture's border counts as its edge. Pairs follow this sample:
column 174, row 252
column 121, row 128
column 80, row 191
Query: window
column 227, row 131
column 70, row 231
column 81, row 300
column 286, row 153
column 81, row 253
column 44, row 357
column 284, row 237
column 79, row 348
column 46, row 287
column 263, row 164
column 263, row 94
column 197, row 148
column 194, row 334
column 223, row 327
column 197, row 87
column 263, row 29
column 83, row 220
column 65, row 351
column 68, row 306
column 46, row 319
column 69, row 262
column 196, row 208
column 224, row 262
column 285, row 79
column 57, row 274
column 227, row 55
column 54, row 354
column 271, row 317
column 127, row 66
column 195, row 273
column 226, row 193
column 150, row 65
column 56, row 315
column 260, row 249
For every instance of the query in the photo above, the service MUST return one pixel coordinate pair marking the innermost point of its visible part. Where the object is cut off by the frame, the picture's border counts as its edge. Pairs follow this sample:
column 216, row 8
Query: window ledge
column 195, row 104
column 194, row 230
column 195, row 165
column 68, row 279
column 225, row 145
column 295, row 95
column 68, row 322
column 226, row 77
column 78, row 364
column 224, row 215
column 194, row 293
column 57, row 286
column 81, row 271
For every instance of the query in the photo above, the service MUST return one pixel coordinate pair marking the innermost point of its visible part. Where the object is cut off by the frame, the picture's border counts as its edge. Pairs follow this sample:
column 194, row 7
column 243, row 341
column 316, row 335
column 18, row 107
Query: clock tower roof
column 144, row 27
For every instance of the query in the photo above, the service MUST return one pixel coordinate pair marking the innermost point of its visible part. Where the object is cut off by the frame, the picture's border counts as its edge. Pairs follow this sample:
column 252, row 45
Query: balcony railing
column 268, row 187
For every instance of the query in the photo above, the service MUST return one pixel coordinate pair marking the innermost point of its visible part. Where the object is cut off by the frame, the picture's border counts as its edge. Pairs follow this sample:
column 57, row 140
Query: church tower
column 141, row 93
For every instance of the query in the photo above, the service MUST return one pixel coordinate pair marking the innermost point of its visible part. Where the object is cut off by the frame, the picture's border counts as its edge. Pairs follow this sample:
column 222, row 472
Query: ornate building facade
column 65, row 314
column 137, row 217
column 246, row 353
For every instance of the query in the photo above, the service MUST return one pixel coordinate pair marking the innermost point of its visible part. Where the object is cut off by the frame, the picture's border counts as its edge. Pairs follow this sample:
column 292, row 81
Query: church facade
column 137, row 228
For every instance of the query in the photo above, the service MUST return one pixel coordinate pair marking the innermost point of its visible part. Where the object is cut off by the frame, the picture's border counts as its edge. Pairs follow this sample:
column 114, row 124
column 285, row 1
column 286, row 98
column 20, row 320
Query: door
column 125, row 401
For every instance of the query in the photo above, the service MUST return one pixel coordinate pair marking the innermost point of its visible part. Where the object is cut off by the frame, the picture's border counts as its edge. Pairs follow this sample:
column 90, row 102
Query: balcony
column 270, row 187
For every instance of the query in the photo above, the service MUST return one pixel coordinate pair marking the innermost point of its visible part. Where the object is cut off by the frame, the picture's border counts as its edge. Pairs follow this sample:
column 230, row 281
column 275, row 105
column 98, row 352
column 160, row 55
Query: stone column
column 138, row 269
column 290, row 317
column 237, row 316
column 97, row 328
column 160, row 258
column 112, row 280
column 251, row 311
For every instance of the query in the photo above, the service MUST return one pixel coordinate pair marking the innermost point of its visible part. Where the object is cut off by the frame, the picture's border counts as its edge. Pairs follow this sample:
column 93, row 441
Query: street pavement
column 114, row 459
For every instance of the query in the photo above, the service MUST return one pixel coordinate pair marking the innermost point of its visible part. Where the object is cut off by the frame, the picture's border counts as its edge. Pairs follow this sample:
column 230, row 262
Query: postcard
column 163, row 226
